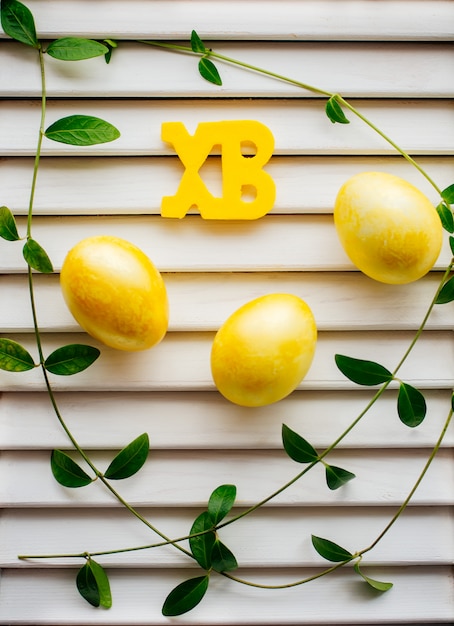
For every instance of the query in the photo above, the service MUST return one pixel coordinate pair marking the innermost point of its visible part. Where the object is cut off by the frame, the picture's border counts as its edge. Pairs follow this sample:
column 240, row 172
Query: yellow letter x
column 240, row 173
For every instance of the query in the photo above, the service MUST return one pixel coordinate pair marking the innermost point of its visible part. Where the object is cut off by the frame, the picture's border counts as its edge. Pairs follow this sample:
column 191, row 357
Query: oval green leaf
column 14, row 357
column 18, row 23
column 451, row 244
column 362, row 372
column 297, row 447
column 185, row 596
column 411, row 405
column 129, row 460
column 87, row 585
column 222, row 558
column 337, row 476
column 67, row 472
column 446, row 217
column 36, row 257
column 71, row 359
column 330, row 550
column 376, row 584
column 76, row 49
column 82, row 130
column 209, row 71
column 220, row 503
column 93, row 585
column 446, row 292
column 448, row 194
column 202, row 545
column 8, row 227
column 197, row 44
column 334, row 111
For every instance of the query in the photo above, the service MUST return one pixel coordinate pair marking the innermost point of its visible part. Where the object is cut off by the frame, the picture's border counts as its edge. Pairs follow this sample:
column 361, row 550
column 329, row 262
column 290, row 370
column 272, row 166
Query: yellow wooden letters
column 248, row 192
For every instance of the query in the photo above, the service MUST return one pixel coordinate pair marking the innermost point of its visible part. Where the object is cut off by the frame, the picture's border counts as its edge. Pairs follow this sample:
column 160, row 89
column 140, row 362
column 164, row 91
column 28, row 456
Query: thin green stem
column 388, row 139
column 37, row 334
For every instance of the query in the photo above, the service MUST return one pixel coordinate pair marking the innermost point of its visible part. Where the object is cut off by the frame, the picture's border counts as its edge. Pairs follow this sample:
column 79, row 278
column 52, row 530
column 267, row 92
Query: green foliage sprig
column 205, row 545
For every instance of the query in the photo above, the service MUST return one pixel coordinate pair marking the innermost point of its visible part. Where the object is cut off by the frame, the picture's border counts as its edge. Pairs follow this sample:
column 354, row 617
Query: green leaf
column 330, row 550
column 185, row 596
column 75, row 49
column 411, row 405
column 221, row 502
column 296, row 447
column 87, row 585
column 334, row 111
column 446, row 217
column 82, row 130
column 17, row 22
column 362, row 372
column 446, row 292
column 448, row 194
column 111, row 45
column 209, row 72
column 93, row 585
column 451, row 243
column 202, row 545
column 71, row 359
column 129, row 460
column 67, row 472
column 197, row 44
column 14, row 357
column 376, row 584
column 337, row 476
column 222, row 558
column 8, row 228
column 37, row 257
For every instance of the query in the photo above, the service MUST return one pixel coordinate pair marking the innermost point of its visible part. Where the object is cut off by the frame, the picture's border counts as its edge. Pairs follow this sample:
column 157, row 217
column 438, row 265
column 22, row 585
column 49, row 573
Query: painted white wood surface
column 395, row 58
column 255, row 19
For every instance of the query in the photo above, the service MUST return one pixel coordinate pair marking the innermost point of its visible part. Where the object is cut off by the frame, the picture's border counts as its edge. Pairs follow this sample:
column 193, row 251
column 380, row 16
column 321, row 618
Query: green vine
column 205, row 545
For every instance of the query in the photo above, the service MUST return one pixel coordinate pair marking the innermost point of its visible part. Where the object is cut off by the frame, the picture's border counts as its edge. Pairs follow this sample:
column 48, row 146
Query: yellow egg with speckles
column 264, row 349
column 115, row 293
column 389, row 229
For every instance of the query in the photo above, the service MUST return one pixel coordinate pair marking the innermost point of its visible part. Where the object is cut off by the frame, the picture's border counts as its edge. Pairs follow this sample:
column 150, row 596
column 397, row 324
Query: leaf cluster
column 207, row 549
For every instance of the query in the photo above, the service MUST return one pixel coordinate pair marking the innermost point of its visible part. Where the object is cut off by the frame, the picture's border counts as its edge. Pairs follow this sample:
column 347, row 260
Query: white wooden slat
column 182, row 362
column 299, row 126
column 424, row 597
column 204, row 420
column 282, row 243
column 422, row 535
column 187, row 478
column 421, row 595
column 254, row 19
column 136, row 185
column 204, row 301
column 145, row 71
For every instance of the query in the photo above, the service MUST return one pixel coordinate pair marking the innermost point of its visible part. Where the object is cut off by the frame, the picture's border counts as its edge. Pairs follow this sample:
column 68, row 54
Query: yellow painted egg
column 389, row 229
column 264, row 349
column 115, row 293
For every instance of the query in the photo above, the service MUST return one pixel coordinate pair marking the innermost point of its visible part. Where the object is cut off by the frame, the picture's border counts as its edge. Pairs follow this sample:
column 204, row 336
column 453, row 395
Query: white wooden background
column 395, row 60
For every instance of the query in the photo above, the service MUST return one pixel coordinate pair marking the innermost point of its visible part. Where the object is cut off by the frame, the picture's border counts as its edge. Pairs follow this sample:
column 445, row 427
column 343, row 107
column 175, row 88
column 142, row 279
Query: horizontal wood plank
column 136, row 185
column 204, row 420
column 202, row 302
column 187, row 478
column 421, row 595
column 182, row 362
column 145, row 71
column 273, row 243
column 273, row 537
column 254, row 19
column 299, row 126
